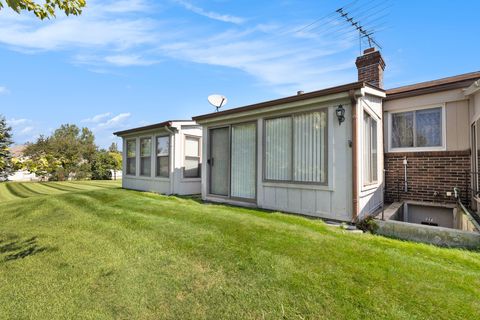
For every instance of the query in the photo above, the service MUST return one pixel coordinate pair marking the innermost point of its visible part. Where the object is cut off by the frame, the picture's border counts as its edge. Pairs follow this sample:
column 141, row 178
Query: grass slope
column 118, row 254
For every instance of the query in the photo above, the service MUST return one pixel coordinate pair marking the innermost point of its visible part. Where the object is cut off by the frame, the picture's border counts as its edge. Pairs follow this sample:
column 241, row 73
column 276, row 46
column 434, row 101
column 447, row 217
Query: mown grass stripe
column 94, row 184
column 5, row 195
column 56, row 187
column 28, row 189
column 14, row 190
column 41, row 187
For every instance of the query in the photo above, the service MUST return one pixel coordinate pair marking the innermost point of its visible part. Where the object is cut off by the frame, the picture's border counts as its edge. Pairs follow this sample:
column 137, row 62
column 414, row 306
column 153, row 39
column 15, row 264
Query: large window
column 192, row 157
column 296, row 148
column 417, row 129
column 145, row 157
column 131, row 157
column 370, row 150
column 163, row 157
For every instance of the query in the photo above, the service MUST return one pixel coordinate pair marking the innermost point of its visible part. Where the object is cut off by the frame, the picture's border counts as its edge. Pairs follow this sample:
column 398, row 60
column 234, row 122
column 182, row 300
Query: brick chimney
column 370, row 67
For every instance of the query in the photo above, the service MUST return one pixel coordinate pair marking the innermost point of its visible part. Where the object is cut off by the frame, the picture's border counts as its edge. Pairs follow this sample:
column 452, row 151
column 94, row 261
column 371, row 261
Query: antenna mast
column 362, row 33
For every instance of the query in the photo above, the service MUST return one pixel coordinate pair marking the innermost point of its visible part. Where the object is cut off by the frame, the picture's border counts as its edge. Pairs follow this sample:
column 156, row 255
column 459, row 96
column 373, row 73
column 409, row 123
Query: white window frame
column 185, row 156
column 327, row 160
column 140, row 156
column 155, row 174
column 443, row 147
column 127, row 140
column 378, row 121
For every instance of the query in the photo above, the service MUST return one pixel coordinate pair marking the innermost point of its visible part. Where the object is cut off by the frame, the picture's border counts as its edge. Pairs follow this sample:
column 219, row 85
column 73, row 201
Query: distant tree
column 116, row 162
column 116, row 158
column 43, row 166
column 102, row 165
column 6, row 141
column 113, row 147
column 47, row 8
column 69, row 151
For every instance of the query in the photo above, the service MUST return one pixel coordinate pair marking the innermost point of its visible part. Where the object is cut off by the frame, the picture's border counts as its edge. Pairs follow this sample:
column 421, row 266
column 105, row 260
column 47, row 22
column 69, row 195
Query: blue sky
column 129, row 63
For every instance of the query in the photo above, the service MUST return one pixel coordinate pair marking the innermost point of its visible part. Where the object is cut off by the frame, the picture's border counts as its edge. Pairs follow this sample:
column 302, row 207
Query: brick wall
column 427, row 172
column 370, row 67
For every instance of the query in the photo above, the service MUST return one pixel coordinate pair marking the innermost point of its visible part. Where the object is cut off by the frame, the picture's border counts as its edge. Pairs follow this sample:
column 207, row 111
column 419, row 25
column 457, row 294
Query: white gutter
column 474, row 87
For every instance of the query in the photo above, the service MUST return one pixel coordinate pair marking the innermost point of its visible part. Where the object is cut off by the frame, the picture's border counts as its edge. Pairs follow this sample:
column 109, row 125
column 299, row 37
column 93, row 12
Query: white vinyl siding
column 243, row 168
column 192, row 157
column 370, row 150
column 296, row 148
column 131, row 157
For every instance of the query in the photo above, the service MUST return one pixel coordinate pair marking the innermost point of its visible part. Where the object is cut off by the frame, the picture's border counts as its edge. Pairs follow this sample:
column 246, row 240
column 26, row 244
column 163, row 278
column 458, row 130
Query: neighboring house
column 323, row 153
column 164, row 157
column 21, row 175
column 430, row 129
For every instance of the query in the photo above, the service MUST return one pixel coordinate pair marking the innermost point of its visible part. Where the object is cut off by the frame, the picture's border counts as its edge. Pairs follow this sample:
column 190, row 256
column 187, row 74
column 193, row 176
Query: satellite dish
column 217, row 100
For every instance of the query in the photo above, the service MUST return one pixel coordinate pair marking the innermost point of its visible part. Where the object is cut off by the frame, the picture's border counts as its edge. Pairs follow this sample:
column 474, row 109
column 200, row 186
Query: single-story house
column 163, row 157
column 314, row 153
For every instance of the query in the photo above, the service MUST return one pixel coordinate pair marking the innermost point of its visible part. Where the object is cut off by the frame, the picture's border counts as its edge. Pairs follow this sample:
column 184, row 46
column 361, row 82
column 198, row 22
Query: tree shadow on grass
column 14, row 248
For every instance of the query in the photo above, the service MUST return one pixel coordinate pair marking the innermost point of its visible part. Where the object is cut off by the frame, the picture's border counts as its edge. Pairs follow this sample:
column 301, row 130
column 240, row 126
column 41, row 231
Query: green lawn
column 89, row 250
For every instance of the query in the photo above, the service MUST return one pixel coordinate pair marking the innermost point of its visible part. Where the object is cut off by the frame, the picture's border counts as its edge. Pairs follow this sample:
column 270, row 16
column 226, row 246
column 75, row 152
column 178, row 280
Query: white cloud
column 4, row 90
column 114, row 121
column 16, row 122
column 128, row 60
column 116, row 34
column 101, row 25
column 211, row 14
column 97, row 118
column 27, row 130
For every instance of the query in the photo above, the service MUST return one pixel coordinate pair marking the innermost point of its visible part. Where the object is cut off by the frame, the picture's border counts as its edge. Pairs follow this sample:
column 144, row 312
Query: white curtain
column 370, row 153
column 278, row 148
column 420, row 128
column 402, row 130
column 243, row 161
column 309, row 147
column 428, row 127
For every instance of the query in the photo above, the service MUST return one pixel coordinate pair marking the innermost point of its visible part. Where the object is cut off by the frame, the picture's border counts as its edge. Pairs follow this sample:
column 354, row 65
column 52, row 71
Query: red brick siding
column 370, row 68
column 427, row 172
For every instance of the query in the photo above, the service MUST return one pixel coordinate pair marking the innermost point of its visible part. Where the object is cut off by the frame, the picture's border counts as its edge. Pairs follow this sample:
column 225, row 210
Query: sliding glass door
column 244, row 161
column 219, row 161
column 233, row 161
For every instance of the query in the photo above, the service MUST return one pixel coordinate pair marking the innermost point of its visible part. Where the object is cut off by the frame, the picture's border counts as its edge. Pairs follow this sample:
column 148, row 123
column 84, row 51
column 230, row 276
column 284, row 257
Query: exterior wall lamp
column 340, row 111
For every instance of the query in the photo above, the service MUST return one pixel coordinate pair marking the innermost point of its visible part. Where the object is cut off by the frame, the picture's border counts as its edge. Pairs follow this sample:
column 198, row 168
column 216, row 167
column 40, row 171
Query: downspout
column 172, row 157
column 353, row 101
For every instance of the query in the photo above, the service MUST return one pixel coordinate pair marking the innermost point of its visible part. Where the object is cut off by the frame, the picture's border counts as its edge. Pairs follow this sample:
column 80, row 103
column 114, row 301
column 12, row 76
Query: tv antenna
column 217, row 100
column 362, row 33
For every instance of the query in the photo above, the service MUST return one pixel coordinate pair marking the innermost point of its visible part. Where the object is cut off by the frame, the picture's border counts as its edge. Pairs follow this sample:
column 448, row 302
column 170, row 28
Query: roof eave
column 282, row 101
column 144, row 128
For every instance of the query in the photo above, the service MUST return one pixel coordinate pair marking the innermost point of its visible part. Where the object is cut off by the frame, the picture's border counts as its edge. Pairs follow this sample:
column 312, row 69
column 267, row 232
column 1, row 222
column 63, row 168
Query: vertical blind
column 309, row 147
column 370, row 152
column 296, row 148
column 278, row 148
column 243, row 161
